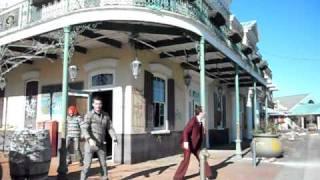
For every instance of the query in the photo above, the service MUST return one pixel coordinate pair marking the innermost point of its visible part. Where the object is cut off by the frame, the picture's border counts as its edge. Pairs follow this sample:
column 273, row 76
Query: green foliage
column 271, row 128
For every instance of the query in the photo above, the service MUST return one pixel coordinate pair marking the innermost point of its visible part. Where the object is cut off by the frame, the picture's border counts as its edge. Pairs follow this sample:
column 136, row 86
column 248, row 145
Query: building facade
column 148, row 112
column 302, row 109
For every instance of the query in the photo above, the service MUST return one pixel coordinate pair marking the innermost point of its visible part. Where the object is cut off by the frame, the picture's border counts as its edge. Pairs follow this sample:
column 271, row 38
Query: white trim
column 100, row 64
column 164, row 131
column 161, row 69
column 30, row 75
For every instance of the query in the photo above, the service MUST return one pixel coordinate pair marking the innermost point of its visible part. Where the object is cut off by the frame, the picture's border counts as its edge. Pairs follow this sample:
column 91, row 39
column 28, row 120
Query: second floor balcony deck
column 31, row 13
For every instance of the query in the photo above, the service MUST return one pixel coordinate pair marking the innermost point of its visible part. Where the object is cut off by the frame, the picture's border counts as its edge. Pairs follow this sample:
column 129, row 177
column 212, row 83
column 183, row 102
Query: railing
column 28, row 15
column 24, row 14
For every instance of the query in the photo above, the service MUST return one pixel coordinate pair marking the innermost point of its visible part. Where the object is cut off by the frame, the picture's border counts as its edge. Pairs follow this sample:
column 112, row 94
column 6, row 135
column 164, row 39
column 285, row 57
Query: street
column 301, row 159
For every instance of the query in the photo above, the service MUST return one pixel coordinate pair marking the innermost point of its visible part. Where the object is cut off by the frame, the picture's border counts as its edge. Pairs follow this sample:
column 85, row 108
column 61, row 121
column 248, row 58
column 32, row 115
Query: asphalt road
column 301, row 159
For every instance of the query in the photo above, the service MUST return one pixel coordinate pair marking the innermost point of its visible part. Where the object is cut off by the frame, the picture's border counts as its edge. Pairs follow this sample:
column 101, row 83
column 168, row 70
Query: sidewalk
column 224, row 167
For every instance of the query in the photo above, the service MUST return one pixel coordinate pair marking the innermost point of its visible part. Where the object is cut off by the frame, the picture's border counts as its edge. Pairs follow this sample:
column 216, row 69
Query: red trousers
column 182, row 169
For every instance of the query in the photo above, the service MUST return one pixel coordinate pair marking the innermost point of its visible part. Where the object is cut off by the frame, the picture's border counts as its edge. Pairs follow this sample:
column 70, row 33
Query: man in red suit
column 191, row 141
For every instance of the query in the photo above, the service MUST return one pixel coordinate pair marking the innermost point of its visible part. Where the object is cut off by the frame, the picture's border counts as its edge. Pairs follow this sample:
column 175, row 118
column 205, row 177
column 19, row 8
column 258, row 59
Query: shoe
column 210, row 178
column 81, row 163
column 69, row 162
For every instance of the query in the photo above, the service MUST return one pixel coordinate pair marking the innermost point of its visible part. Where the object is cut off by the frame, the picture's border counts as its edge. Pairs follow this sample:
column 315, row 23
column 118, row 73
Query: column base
column 238, row 149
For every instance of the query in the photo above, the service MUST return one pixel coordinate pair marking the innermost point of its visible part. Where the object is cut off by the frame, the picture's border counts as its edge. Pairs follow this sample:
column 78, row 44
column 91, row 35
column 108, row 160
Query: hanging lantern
column 136, row 68
column 73, row 72
column 3, row 83
column 187, row 79
column 220, row 91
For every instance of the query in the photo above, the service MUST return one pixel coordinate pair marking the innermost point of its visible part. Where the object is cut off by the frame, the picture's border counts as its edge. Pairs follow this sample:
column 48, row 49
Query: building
column 107, row 40
column 303, row 109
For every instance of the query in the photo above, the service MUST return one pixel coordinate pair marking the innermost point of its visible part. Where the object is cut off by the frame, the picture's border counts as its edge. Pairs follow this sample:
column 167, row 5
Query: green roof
column 306, row 109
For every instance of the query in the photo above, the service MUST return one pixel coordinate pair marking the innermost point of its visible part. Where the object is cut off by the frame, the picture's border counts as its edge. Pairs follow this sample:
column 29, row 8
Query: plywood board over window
column 138, row 115
column 31, row 104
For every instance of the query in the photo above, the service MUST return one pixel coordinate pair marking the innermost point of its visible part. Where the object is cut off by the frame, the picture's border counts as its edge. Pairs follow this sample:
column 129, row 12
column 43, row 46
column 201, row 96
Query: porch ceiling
column 169, row 42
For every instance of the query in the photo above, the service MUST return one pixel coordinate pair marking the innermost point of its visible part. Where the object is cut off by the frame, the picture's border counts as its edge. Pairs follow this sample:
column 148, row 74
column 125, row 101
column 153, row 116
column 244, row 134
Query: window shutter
column 224, row 105
column 216, row 112
column 148, row 95
column 171, row 104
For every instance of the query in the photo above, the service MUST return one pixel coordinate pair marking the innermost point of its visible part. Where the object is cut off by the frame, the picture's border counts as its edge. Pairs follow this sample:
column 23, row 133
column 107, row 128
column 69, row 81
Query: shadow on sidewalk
column 76, row 175
column 232, row 146
column 214, row 169
column 147, row 173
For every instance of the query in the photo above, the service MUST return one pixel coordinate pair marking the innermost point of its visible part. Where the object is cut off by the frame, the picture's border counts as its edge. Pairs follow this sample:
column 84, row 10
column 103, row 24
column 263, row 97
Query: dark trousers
column 76, row 147
column 183, row 167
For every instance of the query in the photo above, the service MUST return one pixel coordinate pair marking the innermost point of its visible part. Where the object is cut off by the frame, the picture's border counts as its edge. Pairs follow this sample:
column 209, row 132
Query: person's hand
column 91, row 142
column 186, row 145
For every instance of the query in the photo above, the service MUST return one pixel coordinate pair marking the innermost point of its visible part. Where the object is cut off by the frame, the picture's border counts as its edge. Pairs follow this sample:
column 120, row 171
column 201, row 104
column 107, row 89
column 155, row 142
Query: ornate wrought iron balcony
column 29, row 13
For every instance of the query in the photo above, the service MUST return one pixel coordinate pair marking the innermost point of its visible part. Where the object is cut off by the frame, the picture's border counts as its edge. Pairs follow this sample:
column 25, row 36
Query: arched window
column 102, row 79
column 310, row 102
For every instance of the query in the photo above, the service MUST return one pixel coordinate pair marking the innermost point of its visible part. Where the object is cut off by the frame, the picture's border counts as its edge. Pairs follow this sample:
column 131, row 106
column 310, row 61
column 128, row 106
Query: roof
column 306, row 109
column 290, row 101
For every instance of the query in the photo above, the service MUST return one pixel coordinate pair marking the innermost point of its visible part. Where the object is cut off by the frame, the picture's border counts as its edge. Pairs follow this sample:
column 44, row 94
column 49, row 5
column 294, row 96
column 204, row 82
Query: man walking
column 73, row 133
column 191, row 141
column 94, row 127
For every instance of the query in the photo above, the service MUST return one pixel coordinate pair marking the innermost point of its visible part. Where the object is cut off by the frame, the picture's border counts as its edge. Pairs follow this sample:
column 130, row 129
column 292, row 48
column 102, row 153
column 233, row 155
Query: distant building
column 303, row 109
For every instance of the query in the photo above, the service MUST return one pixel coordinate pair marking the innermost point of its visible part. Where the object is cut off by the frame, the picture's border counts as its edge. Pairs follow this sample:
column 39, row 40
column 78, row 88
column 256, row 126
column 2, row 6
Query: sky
column 289, row 32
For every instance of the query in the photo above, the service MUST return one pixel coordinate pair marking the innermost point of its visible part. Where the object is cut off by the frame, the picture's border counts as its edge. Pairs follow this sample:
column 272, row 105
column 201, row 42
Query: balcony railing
column 24, row 14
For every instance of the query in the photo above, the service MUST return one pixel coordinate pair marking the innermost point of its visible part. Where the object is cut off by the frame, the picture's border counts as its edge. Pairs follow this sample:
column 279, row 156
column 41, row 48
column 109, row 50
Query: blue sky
column 289, row 33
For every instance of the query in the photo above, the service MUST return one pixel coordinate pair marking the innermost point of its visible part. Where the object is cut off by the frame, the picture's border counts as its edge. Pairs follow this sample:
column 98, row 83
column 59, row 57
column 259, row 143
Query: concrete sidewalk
column 223, row 165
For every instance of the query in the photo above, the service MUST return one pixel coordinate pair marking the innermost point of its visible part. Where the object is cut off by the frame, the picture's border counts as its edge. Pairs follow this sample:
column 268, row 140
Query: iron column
column 203, row 153
column 256, row 123
column 63, row 169
column 266, row 109
column 238, row 130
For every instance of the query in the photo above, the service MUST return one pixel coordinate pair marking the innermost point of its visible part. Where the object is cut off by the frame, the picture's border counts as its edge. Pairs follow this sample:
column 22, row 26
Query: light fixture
column 187, row 76
column 136, row 65
column 220, row 91
column 136, row 68
column 219, row 98
column 187, row 79
column 3, row 83
column 73, row 72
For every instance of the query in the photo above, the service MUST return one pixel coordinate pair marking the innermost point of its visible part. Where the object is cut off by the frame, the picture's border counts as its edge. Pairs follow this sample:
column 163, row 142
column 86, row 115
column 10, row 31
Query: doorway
column 107, row 101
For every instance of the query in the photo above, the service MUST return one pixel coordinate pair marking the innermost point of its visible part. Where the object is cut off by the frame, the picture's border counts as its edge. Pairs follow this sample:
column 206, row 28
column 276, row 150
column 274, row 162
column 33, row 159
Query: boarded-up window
column 31, row 104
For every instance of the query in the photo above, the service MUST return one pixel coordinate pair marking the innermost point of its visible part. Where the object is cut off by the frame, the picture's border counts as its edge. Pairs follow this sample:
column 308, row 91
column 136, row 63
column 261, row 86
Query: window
column 102, row 79
column 159, row 102
column 194, row 100
column 219, row 110
column 53, row 98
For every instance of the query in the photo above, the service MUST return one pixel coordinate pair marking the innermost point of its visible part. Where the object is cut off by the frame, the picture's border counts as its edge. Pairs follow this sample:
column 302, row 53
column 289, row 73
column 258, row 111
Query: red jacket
column 193, row 134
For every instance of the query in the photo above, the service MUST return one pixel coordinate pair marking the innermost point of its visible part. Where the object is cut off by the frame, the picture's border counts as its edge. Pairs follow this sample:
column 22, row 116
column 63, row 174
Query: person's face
column 201, row 115
column 97, row 105
column 70, row 113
